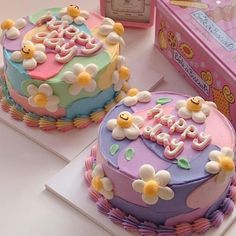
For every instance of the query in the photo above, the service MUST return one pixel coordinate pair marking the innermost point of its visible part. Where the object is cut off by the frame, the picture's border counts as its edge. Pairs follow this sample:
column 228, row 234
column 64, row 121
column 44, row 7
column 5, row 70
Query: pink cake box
column 201, row 44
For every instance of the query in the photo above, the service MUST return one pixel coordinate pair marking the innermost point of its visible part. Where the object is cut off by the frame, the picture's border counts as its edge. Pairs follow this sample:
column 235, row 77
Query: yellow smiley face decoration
column 27, row 51
column 125, row 119
column 194, row 104
column 73, row 11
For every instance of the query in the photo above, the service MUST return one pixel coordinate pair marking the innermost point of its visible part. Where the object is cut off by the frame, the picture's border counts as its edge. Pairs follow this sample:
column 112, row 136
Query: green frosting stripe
column 60, row 88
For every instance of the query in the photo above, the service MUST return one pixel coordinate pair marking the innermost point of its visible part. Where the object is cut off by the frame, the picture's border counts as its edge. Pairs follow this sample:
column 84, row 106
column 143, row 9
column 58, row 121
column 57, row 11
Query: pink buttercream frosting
column 23, row 101
column 42, row 71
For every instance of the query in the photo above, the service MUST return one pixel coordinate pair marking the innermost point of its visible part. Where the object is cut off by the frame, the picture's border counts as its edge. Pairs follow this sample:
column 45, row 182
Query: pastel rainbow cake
column 62, row 68
column 166, row 166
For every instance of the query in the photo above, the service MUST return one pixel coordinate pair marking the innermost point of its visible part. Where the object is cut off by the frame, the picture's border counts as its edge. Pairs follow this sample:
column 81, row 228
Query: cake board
column 70, row 186
column 68, row 145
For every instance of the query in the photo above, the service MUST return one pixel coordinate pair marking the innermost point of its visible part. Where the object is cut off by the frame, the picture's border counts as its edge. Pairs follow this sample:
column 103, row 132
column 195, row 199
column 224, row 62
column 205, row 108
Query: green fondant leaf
column 129, row 154
column 163, row 101
column 184, row 164
column 114, row 149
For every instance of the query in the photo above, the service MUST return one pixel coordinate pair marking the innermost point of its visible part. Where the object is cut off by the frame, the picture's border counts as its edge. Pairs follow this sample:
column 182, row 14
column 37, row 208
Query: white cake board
column 66, row 145
column 70, row 144
column 69, row 185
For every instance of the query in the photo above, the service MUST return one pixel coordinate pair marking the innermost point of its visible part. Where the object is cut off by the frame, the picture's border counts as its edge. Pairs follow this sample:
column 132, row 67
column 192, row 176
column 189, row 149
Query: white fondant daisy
column 112, row 30
column 11, row 28
column 31, row 55
column 100, row 183
column 134, row 96
column 81, row 78
column 153, row 185
column 72, row 14
column 125, row 126
column 121, row 74
column 43, row 97
column 196, row 108
column 221, row 163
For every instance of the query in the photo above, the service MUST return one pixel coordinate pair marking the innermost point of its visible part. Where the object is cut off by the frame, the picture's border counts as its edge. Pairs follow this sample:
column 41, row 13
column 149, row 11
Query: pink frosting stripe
column 42, row 71
column 130, row 223
column 23, row 101
column 94, row 20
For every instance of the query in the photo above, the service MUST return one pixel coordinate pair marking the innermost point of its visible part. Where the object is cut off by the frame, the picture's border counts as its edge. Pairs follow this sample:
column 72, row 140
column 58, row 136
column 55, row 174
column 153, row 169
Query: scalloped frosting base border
column 130, row 223
column 47, row 123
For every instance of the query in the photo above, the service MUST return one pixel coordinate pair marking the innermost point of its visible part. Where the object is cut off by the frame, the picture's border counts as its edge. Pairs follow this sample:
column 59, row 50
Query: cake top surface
column 49, row 42
column 168, row 131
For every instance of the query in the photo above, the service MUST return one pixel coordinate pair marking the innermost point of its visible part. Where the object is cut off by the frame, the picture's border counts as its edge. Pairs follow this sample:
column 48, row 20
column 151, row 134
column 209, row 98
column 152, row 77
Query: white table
column 26, row 209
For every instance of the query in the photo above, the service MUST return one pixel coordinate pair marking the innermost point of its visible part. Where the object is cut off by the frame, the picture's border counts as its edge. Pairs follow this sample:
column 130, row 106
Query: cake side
column 162, row 172
column 78, row 65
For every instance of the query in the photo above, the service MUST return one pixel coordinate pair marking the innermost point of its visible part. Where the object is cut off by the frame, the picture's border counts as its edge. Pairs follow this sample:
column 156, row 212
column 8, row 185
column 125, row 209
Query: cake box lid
column 211, row 23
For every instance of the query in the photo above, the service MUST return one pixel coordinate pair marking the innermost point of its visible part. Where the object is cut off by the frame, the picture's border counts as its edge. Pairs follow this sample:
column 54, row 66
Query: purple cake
column 164, row 164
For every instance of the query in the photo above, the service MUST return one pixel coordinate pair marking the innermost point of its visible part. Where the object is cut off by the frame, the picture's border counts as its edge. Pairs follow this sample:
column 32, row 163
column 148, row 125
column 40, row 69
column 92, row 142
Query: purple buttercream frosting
column 227, row 206
column 131, row 224
column 216, row 218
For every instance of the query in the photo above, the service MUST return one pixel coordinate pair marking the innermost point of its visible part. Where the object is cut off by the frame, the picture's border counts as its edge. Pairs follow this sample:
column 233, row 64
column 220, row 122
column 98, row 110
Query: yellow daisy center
column 73, row 11
column 97, row 184
column 119, row 28
column 27, row 51
column 227, row 164
column 40, row 100
column 124, row 73
column 84, row 79
column 125, row 120
column 132, row 92
column 194, row 104
column 151, row 188
column 7, row 24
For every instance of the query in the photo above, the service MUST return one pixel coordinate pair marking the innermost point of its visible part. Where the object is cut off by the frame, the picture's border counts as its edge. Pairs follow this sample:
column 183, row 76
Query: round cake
column 164, row 163
column 62, row 68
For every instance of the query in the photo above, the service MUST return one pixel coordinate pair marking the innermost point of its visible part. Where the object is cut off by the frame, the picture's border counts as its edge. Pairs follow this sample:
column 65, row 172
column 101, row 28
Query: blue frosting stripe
column 85, row 106
column 15, row 72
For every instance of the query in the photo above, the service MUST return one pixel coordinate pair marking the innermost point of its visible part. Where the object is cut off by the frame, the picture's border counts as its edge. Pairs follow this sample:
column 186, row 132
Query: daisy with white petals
column 196, row 108
column 221, row 163
column 43, row 97
column 125, row 126
column 11, row 28
column 112, row 30
column 121, row 74
column 81, row 78
column 30, row 55
column 134, row 96
column 153, row 185
column 72, row 14
column 100, row 183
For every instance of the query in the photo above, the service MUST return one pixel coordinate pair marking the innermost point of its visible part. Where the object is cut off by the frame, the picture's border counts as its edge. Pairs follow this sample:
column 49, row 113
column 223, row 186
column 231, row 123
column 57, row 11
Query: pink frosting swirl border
column 131, row 224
